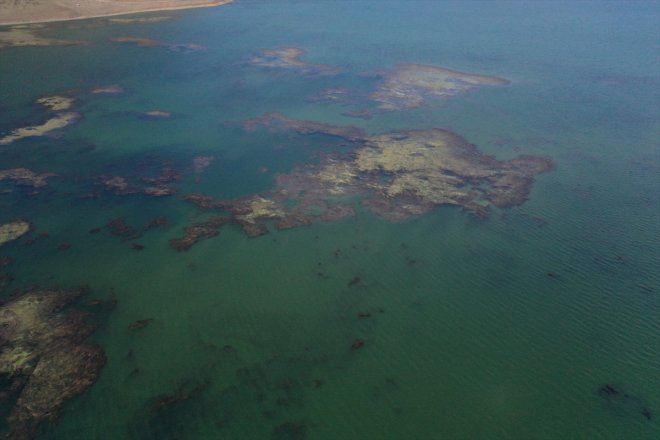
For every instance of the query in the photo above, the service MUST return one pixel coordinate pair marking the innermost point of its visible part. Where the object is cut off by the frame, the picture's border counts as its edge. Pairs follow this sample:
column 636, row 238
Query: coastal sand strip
column 25, row 11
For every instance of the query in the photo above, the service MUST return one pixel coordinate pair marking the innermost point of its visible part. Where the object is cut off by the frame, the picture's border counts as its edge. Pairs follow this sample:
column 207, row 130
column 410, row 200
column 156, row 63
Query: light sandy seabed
column 35, row 11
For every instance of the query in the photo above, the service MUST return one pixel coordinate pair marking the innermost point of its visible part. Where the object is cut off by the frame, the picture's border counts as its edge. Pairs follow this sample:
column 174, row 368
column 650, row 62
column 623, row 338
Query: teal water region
column 539, row 320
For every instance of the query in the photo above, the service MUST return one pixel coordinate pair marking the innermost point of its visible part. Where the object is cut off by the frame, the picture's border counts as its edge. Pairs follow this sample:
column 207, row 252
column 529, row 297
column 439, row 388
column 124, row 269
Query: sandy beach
column 31, row 11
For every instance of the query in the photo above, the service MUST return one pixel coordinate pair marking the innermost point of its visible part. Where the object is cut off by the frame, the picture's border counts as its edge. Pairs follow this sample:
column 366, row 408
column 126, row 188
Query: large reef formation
column 396, row 175
column 289, row 58
column 44, row 357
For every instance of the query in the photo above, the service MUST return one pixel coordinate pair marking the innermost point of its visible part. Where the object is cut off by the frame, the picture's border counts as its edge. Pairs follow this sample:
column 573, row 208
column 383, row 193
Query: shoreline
column 115, row 8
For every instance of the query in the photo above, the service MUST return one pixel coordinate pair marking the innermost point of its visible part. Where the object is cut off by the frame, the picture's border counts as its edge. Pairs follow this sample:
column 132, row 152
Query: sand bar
column 27, row 11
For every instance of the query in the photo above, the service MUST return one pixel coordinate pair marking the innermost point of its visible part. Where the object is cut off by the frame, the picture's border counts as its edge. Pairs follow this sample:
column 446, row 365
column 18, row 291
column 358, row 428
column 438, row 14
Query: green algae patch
column 13, row 231
column 44, row 354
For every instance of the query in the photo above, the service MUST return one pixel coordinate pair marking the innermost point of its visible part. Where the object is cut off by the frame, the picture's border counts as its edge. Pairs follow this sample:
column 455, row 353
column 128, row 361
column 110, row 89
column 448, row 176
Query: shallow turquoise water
column 472, row 340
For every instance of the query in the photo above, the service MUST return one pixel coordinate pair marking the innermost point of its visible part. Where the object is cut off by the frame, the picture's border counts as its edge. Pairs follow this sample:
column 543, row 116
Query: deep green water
column 474, row 341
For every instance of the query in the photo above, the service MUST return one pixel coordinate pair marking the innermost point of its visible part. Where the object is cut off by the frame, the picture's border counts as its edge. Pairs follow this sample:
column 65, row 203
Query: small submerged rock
column 156, row 114
column 184, row 393
column 148, row 42
column 112, row 89
column 119, row 227
column 56, row 103
column 357, row 344
column 59, row 121
column 140, row 324
column 354, row 281
column 619, row 399
column 289, row 431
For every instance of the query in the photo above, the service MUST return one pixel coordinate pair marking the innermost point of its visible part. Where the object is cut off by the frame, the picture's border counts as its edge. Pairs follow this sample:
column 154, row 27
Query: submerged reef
column 112, row 89
column 57, row 122
column 118, row 227
column 201, row 163
column 396, row 175
column 62, row 118
column 147, row 42
column 437, row 167
column 13, row 231
column 618, row 399
column 133, row 20
column 26, row 177
column 404, row 87
column 194, row 233
column 30, row 35
column 44, row 356
column 407, row 85
column 289, row 58
column 56, row 103
column 155, row 114
column 153, row 177
column 277, row 122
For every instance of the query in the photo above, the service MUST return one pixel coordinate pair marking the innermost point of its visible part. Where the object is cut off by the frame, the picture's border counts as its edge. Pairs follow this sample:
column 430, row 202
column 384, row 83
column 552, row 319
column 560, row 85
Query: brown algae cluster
column 289, row 58
column 13, row 231
column 396, row 175
column 44, row 356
